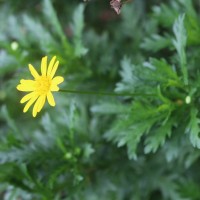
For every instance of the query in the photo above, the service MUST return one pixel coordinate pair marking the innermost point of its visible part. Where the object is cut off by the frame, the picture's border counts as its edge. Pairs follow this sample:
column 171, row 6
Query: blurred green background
column 143, row 146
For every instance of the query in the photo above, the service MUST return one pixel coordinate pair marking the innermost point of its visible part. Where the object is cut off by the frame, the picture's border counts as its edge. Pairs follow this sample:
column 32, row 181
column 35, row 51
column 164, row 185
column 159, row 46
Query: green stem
column 105, row 93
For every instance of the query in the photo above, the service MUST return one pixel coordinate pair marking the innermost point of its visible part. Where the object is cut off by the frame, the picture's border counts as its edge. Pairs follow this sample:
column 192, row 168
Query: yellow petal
column 54, row 88
column 50, row 99
column 30, row 102
column 38, row 105
column 27, row 97
column 42, row 101
column 51, row 64
column 33, row 71
column 57, row 80
column 27, row 82
column 55, row 67
column 26, row 85
column 44, row 66
column 34, row 113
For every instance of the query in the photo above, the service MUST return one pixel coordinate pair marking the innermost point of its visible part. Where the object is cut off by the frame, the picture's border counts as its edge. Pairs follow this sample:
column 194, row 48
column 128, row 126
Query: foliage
column 142, row 144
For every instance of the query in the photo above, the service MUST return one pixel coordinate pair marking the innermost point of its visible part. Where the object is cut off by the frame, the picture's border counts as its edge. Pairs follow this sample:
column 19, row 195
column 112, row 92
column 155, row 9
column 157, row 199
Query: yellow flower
column 41, row 87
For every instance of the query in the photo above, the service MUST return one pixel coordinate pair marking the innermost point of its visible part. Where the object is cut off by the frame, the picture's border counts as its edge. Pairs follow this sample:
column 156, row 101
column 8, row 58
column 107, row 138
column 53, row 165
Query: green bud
column 14, row 46
column 68, row 156
column 188, row 100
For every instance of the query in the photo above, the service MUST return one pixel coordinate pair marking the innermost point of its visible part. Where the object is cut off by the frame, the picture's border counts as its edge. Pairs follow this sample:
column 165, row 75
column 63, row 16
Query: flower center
column 43, row 84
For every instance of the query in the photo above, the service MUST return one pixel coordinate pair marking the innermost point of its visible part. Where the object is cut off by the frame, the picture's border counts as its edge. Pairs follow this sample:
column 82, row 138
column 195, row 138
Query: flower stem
column 105, row 93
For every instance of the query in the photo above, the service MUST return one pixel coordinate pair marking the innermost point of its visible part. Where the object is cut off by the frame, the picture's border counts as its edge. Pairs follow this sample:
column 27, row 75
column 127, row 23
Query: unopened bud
column 188, row 100
column 14, row 46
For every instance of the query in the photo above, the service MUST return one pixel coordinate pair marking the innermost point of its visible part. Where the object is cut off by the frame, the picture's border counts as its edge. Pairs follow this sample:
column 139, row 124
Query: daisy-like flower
column 41, row 87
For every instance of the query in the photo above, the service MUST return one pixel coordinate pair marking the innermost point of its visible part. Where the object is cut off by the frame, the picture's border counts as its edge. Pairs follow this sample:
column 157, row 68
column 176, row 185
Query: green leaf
column 169, row 188
column 130, row 136
column 129, row 78
column 165, row 14
column 158, row 137
column 54, row 21
column 162, row 72
column 77, row 27
column 190, row 190
column 191, row 23
column 39, row 34
column 16, row 31
column 180, row 34
column 156, row 43
column 11, row 123
column 7, row 63
column 129, row 129
column 193, row 128
column 133, row 137
column 180, row 44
